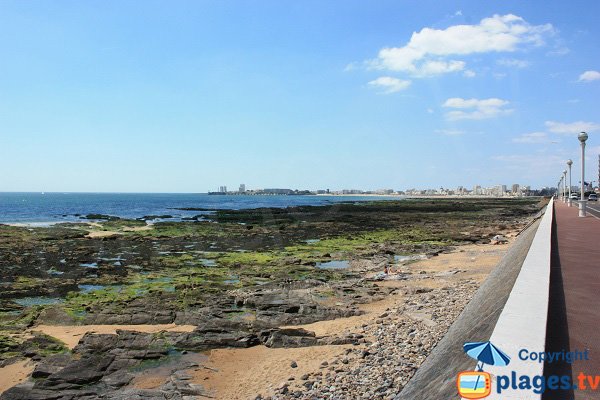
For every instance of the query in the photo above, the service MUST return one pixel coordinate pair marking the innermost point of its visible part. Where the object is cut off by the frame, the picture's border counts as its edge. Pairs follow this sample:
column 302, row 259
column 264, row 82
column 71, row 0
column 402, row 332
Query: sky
column 186, row 96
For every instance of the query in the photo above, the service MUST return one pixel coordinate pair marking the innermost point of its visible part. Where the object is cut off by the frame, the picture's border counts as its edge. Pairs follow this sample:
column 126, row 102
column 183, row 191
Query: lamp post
column 570, row 201
column 565, row 186
column 582, row 138
column 558, row 190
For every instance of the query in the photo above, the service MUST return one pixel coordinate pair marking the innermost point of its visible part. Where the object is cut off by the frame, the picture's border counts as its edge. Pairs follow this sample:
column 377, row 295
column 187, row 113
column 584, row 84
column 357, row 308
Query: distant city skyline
column 188, row 96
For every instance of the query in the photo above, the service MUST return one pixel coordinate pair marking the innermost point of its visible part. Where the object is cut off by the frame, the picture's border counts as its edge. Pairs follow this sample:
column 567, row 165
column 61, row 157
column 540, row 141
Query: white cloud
column 389, row 84
column 499, row 33
column 475, row 108
column 589, row 76
column 469, row 74
column 350, row 67
column 450, row 132
column 514, row 63
column 571, row 128
column 429, row 68
column 430, row 110
column 573, row 101
column 533, row 137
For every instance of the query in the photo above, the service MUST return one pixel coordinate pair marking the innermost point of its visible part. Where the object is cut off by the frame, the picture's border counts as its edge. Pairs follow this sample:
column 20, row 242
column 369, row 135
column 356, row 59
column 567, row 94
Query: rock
column 293, row 364
column 290, row 337
column 81, row 372
column 51, row 365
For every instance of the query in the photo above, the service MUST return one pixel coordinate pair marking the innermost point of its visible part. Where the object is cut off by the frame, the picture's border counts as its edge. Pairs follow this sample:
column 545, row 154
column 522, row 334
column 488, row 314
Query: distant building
column 242, row 188
column 278, row 191
column 515, row 189
column 499, row 190
column 222, row 189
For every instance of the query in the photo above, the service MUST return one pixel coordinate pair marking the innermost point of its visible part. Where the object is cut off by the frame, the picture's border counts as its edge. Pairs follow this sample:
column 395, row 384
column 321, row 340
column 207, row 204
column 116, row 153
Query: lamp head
column 569, row 162
column 582, row 137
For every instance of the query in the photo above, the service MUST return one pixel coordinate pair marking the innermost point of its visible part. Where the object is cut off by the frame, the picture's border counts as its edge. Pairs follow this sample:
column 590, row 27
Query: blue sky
column 187, row 96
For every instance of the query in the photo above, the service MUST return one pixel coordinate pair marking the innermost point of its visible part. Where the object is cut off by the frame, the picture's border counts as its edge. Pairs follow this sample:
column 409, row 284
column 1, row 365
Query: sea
column 44, row 209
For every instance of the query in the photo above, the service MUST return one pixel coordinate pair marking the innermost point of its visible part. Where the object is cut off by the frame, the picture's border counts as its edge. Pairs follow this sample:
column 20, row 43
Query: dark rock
column 81, row 372
column 101, row 216
column 51, row 365
column 291, row 337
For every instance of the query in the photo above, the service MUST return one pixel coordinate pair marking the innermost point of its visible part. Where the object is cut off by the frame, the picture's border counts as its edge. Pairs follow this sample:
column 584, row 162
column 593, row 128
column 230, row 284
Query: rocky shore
column 398, row 342
column 244, row 279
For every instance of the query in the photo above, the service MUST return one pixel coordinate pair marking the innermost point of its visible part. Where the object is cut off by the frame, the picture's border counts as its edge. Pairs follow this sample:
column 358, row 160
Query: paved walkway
column 574, row 316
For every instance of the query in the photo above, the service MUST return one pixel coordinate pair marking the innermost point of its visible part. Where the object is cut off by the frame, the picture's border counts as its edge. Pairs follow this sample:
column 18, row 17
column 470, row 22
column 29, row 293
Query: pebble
column 395, row 346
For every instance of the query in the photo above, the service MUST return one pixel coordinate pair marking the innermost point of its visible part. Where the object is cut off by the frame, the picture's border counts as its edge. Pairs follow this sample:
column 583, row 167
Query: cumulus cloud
column 475, row 108
column 571, row 128
column 588, row 76
column 389, row 84
column 514, row 63
column 469, row 74
column 533, row 137
column 426, row 51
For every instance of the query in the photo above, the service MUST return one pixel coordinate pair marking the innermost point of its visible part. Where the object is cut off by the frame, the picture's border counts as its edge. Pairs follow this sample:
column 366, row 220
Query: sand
column 102, row 234
column 244, row 373
column 105, row 234
column 70, row 335
column 14, row 374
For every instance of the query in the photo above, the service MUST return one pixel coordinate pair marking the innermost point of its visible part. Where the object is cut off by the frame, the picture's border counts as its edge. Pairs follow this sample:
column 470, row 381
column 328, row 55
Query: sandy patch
column 105, row 234
column 475, row 261
column 149, row 381
column 102, row 234
column 244, row 373
column 70, row 335
column 14, row 374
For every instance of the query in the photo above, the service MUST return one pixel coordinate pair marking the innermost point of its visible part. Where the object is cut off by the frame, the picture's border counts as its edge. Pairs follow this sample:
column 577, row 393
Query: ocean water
column 40, row 209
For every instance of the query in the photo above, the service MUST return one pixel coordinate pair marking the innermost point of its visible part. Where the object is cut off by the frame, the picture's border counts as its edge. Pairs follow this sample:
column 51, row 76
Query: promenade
column 574, row 312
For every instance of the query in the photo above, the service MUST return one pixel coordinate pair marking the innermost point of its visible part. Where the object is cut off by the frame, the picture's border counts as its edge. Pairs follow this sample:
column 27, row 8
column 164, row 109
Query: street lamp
column 565, row 186
column 582, row 138
column 558, row 190
column 569, row 163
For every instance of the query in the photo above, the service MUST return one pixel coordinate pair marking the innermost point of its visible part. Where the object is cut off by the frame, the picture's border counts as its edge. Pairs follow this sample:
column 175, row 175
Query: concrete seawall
column 435, row 378
column 522, row 323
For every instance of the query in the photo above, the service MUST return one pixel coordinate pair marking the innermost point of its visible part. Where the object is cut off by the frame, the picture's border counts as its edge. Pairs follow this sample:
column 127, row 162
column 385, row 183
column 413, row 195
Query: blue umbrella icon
column 486, row 353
